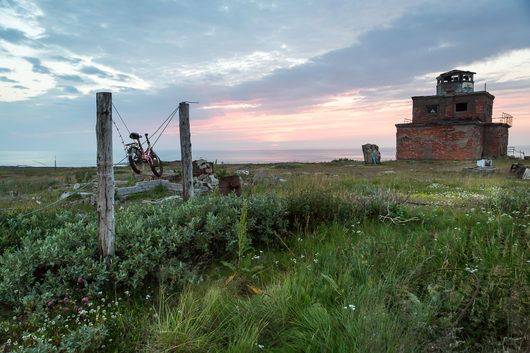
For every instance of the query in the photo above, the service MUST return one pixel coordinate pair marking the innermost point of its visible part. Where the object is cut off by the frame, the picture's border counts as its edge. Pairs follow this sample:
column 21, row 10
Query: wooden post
column 185, row 151
column 105, row 194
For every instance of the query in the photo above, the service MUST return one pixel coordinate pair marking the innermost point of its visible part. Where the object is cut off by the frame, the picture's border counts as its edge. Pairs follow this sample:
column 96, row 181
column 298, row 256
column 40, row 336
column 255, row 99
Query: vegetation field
column 324, row 257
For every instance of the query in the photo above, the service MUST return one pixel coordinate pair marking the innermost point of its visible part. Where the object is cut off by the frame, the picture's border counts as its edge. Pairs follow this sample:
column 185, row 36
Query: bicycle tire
column 135, row 159
column 156, row 164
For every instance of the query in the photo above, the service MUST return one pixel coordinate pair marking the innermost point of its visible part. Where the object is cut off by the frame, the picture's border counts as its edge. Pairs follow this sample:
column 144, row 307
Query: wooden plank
column 185, row 151
column 105, row 193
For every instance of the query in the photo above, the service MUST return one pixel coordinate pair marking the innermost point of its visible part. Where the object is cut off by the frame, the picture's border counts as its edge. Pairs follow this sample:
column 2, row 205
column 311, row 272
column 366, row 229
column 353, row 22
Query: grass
column 337, row 281
column 360, row 288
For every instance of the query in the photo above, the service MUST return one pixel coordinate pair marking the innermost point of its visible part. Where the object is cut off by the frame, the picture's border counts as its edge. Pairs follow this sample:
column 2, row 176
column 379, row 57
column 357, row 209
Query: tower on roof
column 455, row 82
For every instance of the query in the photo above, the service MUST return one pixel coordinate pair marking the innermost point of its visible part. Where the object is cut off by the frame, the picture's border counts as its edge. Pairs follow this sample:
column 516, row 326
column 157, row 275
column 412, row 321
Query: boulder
column 371, row 154
column 260, row 176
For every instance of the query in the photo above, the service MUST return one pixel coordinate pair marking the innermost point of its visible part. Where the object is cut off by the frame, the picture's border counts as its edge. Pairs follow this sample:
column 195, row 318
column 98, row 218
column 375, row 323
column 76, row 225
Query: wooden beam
column 105, row 193
column 185, row 151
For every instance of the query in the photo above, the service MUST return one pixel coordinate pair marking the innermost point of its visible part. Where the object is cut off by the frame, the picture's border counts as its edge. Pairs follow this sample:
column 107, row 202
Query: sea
column 88, row 159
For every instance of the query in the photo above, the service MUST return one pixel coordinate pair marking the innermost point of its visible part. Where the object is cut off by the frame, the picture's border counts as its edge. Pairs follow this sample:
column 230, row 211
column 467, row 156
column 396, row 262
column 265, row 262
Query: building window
column 431, row 108
column 461, row 107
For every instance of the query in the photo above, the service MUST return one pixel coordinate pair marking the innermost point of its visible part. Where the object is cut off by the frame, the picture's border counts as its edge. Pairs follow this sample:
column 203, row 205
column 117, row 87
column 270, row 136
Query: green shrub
column 152, row 242
column 14, row 228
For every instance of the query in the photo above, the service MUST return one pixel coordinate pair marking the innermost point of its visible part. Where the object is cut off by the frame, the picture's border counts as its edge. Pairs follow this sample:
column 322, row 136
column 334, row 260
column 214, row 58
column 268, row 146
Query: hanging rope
column 121, row 137
column 72, row 194
column 116, row 109
column 164, row 124
column 168, row 119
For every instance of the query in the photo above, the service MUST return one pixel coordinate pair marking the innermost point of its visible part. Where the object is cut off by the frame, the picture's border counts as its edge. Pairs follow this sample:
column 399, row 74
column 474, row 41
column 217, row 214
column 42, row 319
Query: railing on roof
column 407, row 121
column 504, row 119
column 512, row 152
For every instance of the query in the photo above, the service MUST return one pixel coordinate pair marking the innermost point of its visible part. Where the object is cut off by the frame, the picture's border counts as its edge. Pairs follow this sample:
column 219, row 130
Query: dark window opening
column 432, row 108
column 461, row 107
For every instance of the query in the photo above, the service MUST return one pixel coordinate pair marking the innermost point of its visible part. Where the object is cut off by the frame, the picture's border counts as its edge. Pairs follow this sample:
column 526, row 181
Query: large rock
column 260, row 176
column 371, row 154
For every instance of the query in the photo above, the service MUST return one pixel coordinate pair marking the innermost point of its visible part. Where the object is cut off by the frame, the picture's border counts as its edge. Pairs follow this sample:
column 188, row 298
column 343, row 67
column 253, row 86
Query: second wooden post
column 105, row 195
column 185, row 150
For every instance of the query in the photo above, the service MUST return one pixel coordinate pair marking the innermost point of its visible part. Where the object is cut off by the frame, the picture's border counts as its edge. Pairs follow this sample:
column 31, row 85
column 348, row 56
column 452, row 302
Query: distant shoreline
column 87, row 159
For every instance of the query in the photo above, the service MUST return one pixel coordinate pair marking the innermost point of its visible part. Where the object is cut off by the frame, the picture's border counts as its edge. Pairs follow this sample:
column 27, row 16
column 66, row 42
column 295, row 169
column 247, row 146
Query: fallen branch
column 396, row 220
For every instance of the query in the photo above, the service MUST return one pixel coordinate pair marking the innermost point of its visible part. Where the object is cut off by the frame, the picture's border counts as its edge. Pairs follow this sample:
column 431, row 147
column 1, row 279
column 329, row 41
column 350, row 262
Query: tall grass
column 367, row 287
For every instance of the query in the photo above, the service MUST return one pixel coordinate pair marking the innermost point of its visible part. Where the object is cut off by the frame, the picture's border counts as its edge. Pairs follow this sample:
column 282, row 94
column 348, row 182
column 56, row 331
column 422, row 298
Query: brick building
column 456, row 123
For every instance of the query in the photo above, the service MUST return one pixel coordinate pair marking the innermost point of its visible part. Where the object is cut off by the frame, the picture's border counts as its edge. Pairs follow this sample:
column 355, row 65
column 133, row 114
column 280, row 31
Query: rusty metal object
column 230, row 184
column 521, row 171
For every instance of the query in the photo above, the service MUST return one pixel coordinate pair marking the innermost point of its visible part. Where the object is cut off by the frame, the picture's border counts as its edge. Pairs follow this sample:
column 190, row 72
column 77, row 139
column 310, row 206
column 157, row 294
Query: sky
column 267, row 74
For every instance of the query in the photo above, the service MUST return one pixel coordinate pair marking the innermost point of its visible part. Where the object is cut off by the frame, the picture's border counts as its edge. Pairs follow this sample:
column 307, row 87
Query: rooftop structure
column 455, row 82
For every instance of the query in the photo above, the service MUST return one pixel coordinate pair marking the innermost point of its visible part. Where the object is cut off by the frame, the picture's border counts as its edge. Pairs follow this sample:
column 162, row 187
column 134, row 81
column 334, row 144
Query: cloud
column 5, row 79
column 65, row 59
column 36, row 58
column 122, row 77
column 68, row 89
column 74, row 78
column 237, row 69
column 92, row 70
column 37, row 66
column 21, row 16
column 12, row 35
column 230, row 105
column 392, row 56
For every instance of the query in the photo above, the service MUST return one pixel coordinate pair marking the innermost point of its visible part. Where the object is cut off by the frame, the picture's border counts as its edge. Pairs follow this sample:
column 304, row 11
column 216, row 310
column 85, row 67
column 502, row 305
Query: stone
column 371, row 154
column 242, row 172
column 65, row 195
column 477, row 169
column 202, row 166
column 213, row 180
column 260, row 176
column 157, row 201
column 76, row 186
column 484, row 163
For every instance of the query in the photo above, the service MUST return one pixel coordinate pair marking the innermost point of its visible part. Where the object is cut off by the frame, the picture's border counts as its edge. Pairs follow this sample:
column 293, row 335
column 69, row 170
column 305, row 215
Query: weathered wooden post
column 185, row 150
column 105, row 194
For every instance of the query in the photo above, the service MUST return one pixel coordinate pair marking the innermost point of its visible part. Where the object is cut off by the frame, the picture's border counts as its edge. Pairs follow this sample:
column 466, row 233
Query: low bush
column 14, row 228
column 152, row 242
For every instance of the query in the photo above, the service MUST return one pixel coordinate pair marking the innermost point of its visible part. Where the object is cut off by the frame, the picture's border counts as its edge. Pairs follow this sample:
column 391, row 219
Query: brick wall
column 495, row 140
column 479, row 107
column 439, row 141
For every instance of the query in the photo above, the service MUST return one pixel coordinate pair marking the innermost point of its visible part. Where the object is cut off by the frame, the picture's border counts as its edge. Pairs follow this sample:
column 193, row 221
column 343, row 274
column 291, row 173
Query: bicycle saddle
column 135, row 136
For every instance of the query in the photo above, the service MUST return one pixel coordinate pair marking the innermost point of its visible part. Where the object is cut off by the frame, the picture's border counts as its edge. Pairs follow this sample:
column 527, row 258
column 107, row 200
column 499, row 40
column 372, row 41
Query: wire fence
column 68, row 195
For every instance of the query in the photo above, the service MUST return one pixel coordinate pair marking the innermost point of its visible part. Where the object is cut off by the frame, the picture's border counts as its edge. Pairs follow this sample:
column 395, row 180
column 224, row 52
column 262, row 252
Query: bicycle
column 137, row 155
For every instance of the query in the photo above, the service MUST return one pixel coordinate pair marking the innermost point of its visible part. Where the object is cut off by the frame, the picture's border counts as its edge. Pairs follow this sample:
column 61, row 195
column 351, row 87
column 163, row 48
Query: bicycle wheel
column 156, row 164
column 135, row 159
